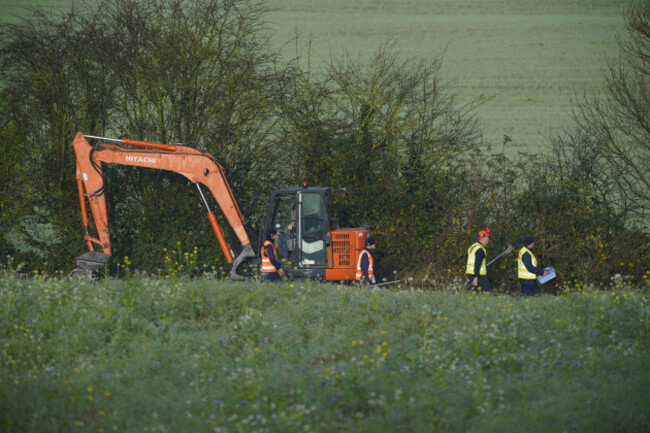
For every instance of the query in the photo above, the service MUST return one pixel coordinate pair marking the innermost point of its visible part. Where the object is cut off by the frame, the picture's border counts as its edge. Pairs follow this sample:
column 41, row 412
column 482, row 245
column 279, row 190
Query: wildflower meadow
column 144, row 354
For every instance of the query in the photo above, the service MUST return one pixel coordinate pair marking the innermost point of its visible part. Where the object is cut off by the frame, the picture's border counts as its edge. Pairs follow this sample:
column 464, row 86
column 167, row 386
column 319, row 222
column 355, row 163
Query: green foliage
column 615, row 119
column 147, row 354
column 10, row 173
column 158, row 70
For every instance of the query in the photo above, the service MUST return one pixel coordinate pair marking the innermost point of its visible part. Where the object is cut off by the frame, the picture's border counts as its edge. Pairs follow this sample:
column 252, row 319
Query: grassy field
column 156, row 355
column 530, row 57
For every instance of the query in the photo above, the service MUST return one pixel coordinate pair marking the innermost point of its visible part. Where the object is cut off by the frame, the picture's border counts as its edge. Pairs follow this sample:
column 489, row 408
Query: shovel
column 388, row 283
column 500, row 255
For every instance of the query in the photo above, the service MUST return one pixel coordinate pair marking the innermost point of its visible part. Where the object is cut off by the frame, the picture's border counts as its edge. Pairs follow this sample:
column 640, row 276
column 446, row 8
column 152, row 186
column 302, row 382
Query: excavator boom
column 199, row 167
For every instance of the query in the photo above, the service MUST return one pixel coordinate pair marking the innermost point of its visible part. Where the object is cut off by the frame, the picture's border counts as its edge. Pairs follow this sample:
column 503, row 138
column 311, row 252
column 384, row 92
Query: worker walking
column 528, row 270
column 271, row 267
column 365, row 274
column 476, row 269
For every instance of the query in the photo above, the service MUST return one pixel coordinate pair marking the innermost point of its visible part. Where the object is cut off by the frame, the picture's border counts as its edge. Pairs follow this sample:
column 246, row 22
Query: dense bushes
column 402, row 153
column 153, row 70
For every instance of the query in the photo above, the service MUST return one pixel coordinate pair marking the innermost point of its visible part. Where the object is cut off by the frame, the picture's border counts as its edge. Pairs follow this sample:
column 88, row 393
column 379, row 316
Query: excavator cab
column 301, row 215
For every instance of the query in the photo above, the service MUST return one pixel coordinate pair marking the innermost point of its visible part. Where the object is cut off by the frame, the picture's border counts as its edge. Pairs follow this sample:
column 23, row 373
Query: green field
column 157, row 355
column 530, row 57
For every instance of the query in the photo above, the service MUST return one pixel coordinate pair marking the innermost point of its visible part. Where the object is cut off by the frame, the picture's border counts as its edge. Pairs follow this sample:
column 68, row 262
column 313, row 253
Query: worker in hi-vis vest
column 365, row 273
column 271, row 267
column 527, row 269
column 476, row 268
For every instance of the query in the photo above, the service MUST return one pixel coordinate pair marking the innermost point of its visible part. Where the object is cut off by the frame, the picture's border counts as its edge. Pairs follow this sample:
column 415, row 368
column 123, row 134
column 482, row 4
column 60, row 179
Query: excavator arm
column 199, row 167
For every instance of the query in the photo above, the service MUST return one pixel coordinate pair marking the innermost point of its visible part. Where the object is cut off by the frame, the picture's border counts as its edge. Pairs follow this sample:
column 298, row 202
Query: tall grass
column 145, row 354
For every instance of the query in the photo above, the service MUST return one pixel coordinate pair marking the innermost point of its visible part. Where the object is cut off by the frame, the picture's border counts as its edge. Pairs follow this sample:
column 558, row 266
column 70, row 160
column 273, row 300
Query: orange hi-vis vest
column 370, row 262
column 471, row 259
column 523, row 272
column 267, row 266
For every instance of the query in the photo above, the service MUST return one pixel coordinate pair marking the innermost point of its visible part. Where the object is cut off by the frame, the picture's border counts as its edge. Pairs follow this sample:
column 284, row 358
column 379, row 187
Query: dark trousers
column 529, row 287
column 483, row 284
column 273, row 276
column 284, row 250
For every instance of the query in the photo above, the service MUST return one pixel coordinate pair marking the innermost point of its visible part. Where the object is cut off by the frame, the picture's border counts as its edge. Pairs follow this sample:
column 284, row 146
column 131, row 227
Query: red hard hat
column 484, row 234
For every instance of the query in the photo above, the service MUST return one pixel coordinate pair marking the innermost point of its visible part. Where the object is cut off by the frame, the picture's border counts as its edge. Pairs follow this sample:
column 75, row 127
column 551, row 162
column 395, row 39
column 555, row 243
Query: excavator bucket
column 88, row 263
column 237, row 269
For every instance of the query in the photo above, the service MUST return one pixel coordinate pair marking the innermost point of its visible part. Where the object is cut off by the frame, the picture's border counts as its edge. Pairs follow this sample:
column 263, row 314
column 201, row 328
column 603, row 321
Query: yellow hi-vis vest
column 524, row 274
column 370, row 262
column 471, row 259
column 267, row 266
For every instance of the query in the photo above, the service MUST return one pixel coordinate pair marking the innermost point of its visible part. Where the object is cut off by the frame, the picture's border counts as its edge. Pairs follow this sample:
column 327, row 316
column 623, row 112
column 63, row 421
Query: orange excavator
column 310, row 242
